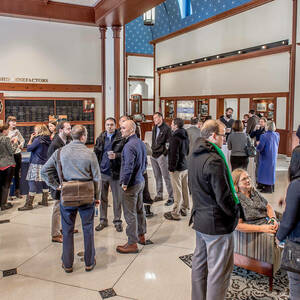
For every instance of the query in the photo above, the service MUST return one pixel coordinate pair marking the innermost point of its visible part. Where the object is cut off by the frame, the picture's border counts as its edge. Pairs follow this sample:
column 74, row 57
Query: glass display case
column 185, row 109
column 265, row 107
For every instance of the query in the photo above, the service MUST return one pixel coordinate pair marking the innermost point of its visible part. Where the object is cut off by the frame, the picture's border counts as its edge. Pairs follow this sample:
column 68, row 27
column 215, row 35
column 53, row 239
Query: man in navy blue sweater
column 133, row 166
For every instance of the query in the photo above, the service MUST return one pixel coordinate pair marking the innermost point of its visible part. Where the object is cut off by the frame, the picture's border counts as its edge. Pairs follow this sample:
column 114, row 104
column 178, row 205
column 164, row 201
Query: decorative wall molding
column 139, row 54
column 40, row 87
column 254, row 54
column 219, row 17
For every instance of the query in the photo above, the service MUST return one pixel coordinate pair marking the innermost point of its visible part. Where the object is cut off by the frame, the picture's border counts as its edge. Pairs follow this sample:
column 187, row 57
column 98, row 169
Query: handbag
column 75, row 193
column 250, row 148
column 290, row 259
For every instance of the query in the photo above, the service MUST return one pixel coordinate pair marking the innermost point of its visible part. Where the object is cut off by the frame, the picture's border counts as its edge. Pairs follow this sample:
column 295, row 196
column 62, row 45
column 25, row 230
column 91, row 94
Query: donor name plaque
column 23, row 79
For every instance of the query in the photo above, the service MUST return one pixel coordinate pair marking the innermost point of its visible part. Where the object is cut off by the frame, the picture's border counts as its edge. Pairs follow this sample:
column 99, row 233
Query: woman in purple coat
column 268, row 150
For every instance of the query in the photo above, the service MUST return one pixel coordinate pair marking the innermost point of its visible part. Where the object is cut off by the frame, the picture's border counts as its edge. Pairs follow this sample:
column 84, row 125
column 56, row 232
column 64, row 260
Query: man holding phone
column 108, row 149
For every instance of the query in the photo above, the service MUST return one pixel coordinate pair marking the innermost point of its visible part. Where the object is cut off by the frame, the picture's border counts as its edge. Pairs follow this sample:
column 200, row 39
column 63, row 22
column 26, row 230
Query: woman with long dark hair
column 290, row 225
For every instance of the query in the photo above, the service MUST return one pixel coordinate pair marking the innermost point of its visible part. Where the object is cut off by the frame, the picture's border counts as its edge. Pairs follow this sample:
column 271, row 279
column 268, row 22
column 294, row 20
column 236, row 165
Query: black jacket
column 228, row 124
column 290, row 223
column 159, row 143
column 298, row 133
column 178, row 150
column 117, row 147
column 214, row 210
column 56, row 143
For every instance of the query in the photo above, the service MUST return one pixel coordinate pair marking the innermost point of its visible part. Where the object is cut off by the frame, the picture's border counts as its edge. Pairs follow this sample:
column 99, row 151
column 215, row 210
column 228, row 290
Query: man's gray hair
column 210, row 127
column 271, row 126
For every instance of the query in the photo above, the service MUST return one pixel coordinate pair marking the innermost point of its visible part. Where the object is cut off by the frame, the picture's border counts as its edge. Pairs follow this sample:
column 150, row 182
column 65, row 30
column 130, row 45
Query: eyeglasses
column 223, row 135
column 245, row 178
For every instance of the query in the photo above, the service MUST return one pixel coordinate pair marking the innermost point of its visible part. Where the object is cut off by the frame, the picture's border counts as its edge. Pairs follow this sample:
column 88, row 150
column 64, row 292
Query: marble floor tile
column 157, row 273
column 175, row 233
column 19, row 242
column 110, row 265
column 20, row 287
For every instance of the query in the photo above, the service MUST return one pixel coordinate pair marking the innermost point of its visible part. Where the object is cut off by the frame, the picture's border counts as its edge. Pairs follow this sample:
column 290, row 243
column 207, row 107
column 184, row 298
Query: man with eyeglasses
column 214, row 216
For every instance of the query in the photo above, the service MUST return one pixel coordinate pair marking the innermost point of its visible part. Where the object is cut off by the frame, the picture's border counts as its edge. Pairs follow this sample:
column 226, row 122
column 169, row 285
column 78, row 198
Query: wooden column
column 291, row 102
column 103, row 73
column 117, row 65
column 125, row 74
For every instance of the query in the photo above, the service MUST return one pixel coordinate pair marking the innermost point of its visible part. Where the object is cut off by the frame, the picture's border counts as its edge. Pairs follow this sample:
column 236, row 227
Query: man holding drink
column 108, row 149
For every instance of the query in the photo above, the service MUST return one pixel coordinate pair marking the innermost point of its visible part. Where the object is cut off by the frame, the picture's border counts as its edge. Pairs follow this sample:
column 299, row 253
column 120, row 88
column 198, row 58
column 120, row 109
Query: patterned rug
column 247, row 285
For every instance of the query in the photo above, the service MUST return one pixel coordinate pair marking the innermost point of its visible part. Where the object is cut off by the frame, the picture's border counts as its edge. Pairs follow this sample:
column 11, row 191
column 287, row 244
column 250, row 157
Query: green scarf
column 233, row 191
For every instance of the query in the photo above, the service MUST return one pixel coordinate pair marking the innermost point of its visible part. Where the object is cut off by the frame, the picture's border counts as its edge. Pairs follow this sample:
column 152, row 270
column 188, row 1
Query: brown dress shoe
column 57, row 239
column 142, row 239
column 132, row 248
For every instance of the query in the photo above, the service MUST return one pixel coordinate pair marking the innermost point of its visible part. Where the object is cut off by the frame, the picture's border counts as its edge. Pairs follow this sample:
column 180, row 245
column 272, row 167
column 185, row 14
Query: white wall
column 61, row 53
column 257, row 75
column 141, row 66
column 213, row 108
column 297, row 88
column 244, row 107
column 267, row 23
column 281, row 113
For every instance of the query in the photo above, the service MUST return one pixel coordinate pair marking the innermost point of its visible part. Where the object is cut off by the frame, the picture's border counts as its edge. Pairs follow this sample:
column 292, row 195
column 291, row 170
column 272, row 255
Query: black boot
column 3, row 201
column 18, row 194
column 149, row 213
column 44, row 201
column 28, row 204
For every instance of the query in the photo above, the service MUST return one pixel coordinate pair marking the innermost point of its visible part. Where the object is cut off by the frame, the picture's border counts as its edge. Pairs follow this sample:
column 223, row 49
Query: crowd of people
column 192, row 165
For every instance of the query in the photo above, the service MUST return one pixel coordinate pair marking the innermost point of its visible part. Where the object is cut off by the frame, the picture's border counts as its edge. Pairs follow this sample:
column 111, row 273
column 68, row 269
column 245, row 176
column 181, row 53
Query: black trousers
column 146, row 195
column 5, row 181
column 18, row 159
column 239, row 162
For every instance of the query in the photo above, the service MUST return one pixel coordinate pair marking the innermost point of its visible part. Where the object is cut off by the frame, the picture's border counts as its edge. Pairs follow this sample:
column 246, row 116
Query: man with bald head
column 215, row 214
column 133, row 166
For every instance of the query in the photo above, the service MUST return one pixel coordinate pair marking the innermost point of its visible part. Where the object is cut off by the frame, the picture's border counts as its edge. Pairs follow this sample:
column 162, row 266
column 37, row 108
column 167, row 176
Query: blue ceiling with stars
column 168, row 19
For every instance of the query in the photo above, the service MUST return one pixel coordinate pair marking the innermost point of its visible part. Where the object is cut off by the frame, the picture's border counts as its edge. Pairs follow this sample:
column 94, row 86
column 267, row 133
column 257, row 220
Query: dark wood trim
column 40, row 87
column 117, row 66
column 256, row 95
column 71, row 122
column 154, row 77
column 238, row 110
column 250, row 55
column 121, row 12
column 2, row 113
column 291, row 103
column 139, row 54
column 136, row 79
column 103, row 72
column 217, row 18
column 48, row 98
column 159, row 84
column 53, row 11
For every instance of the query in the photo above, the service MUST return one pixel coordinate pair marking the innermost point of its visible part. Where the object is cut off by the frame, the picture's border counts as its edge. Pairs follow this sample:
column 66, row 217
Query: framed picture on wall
column 270, row 115
column 261, row 106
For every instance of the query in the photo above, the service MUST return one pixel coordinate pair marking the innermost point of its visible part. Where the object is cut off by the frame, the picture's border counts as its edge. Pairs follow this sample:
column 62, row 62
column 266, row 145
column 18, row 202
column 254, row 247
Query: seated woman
column 258, row 214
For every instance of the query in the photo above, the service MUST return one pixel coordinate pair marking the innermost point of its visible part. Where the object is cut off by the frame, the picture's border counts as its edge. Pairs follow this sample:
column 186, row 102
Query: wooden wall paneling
column 250, row 55
column 136, row 79
column 292, row 78
column 219, row 17
column 103, row 73
column 220, row 107
column 2, row 108
column 139, row 54
column 238, row 110
column 125, row 74
column 52, row 11
column 40, row 87
column 117, row 41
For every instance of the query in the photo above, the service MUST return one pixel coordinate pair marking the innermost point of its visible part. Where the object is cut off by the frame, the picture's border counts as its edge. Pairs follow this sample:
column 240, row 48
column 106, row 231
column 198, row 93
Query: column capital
column 102, row 30
column 116, row 30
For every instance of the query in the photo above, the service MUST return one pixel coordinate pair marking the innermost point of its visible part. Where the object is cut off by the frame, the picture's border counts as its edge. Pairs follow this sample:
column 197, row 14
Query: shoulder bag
column 250, row 148
column 74, row 193
column 290, row 260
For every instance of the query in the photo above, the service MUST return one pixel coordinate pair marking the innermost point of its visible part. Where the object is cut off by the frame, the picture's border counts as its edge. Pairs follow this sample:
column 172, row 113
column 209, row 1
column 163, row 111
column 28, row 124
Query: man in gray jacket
column 78, row 163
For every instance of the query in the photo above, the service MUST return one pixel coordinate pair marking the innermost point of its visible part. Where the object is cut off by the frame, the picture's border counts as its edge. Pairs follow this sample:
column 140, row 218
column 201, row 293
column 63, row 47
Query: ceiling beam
column 52, row 11
column 121, row 12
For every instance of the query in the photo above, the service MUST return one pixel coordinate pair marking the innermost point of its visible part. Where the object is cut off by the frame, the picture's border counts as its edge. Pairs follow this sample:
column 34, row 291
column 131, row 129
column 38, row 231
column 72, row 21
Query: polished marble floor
column 156, row 272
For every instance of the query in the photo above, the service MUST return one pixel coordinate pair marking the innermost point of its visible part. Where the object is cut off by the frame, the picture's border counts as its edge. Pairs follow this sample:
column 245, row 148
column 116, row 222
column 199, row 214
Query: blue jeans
column 68, row 217
column 37, row 186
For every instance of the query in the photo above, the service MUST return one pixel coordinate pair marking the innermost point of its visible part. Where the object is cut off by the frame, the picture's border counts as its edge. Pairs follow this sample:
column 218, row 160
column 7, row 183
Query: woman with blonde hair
column 38, row 146
column 258, row 215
